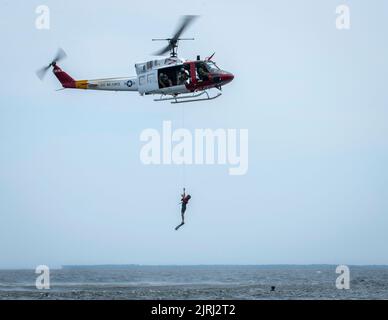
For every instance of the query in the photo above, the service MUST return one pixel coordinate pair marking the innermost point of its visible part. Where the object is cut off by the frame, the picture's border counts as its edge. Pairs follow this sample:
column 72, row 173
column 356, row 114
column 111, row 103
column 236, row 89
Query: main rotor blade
column 172, row 42
column 163, row 51
column 186, row 21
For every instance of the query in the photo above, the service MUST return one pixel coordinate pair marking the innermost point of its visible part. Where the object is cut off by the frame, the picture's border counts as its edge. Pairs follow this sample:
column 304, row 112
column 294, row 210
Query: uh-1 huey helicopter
column 174, row 79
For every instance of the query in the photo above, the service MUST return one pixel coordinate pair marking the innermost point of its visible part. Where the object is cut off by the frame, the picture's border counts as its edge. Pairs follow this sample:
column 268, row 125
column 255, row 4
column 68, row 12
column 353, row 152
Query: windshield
column 212, row 66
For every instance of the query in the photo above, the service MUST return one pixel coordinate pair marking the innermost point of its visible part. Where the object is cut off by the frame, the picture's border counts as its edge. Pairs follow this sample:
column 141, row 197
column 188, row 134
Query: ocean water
column 197, row 282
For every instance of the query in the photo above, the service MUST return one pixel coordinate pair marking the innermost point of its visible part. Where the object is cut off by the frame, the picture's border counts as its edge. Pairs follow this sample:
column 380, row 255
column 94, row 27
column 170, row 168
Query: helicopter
column 175, row 79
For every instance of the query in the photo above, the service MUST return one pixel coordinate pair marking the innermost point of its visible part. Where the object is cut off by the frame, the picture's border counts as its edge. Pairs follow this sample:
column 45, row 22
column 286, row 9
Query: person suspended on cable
column 184, row 201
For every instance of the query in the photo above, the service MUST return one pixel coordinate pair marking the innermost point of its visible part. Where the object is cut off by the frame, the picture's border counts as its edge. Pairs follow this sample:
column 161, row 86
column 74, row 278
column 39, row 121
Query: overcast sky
column 314, row 99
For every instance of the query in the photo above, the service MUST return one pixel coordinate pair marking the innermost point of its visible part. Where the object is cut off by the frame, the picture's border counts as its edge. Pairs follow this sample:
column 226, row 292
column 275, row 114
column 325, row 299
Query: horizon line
column 108, row 265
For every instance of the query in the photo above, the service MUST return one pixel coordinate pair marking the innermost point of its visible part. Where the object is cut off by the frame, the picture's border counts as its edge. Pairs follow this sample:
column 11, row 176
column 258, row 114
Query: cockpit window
column 211, row 66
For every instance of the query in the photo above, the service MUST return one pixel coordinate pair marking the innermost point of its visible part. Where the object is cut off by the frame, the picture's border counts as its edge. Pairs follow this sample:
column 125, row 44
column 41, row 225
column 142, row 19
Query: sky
column 313, row 98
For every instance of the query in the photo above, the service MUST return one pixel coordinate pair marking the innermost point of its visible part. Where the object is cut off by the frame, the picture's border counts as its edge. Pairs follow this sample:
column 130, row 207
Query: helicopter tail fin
column 67, row 81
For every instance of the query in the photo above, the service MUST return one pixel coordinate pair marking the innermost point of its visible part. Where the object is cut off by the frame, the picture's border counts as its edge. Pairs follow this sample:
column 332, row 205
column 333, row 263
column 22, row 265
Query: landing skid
column 189, row 98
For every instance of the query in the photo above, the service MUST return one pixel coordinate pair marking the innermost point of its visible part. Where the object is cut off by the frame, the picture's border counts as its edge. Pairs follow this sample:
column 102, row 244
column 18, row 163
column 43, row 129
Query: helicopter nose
column 227, row 77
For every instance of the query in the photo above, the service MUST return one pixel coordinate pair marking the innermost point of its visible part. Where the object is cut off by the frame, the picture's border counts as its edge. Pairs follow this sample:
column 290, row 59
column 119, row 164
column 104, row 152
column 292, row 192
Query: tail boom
column 111, row 84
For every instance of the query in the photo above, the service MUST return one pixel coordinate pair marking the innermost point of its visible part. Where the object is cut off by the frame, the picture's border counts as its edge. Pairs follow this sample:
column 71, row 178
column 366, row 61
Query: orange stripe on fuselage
column 81, row 84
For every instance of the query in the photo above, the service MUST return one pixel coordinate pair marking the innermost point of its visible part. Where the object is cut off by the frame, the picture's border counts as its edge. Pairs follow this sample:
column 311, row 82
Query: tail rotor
column 61, row 54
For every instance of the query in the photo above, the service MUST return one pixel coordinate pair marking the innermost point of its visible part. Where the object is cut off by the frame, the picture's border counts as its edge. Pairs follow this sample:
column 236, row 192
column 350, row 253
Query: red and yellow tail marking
column 81, row 84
